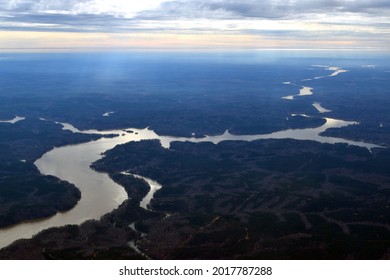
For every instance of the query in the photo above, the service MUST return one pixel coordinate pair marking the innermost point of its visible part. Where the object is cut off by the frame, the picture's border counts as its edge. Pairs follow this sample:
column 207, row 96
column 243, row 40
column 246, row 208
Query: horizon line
column 181, row 49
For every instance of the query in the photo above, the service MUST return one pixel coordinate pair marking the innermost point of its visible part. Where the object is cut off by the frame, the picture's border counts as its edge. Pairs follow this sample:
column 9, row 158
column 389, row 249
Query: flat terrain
column 268, row 199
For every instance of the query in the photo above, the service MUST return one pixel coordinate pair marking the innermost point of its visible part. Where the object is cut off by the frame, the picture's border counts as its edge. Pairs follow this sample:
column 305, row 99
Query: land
column 107, row 238
column 153, row 91
column 59, row 94
column 267, row 199
column 274, row 199
column 271, row 200
column 25, row 193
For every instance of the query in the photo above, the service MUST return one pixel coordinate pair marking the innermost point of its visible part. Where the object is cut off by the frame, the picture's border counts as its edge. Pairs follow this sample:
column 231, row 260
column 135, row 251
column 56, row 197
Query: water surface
column 101, row 195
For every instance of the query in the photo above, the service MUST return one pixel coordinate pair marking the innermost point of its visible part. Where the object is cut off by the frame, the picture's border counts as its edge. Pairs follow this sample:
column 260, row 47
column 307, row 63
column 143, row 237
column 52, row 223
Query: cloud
column 71, row 15
column 168, row 9
column 270, row 9
column 118, row 8
column 340, row 20
column 61, row 22
column 40, row 6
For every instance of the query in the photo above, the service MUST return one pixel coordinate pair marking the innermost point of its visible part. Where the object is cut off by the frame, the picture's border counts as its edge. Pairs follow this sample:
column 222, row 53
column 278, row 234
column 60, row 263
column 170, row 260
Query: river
column 13, row 121
column 101, row 195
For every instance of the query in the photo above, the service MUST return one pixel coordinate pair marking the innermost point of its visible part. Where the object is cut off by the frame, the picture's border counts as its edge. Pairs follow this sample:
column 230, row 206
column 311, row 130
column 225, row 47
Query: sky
column 194, row 24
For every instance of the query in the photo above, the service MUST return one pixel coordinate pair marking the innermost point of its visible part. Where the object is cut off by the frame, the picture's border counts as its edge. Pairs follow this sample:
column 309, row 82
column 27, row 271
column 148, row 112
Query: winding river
column 14, row 120
column 101, row 195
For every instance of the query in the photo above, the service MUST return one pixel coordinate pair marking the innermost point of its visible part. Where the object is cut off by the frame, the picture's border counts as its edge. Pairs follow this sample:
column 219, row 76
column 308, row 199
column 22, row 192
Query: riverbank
column 101, row 195
column 106, row 238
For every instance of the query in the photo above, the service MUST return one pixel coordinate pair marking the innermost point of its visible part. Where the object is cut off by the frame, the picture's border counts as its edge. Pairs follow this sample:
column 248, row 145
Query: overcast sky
column 237, row 24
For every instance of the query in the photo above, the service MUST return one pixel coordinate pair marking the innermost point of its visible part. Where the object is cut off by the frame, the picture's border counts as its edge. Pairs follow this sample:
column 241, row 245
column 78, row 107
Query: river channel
column 101, row 195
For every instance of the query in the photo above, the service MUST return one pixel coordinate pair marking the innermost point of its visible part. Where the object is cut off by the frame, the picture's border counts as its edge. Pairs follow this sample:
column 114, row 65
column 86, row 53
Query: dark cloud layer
column 40, row 5
column 63, row 22
column 270, row 9
column 73, row 15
